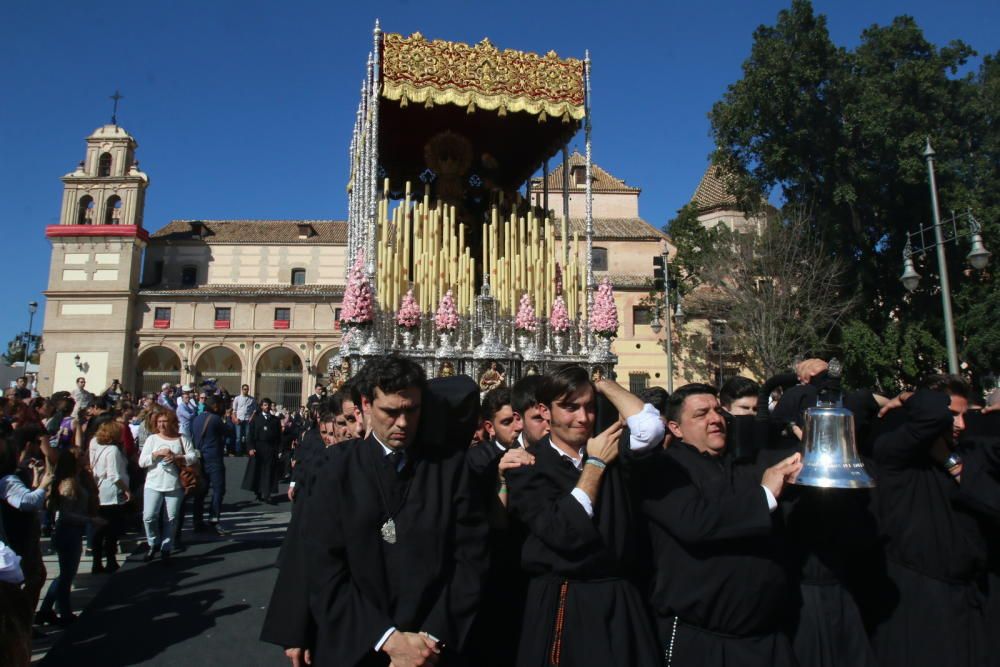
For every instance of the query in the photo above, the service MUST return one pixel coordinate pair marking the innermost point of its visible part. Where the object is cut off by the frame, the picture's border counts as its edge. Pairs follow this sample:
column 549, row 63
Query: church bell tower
column 94, row 275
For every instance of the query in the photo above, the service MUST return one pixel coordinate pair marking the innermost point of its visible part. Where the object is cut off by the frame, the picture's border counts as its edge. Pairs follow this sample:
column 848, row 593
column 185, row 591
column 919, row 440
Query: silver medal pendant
column 389, row 531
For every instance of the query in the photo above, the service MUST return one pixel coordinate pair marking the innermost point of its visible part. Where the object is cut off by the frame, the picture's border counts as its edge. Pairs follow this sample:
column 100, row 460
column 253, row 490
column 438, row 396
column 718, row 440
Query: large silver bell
column 830, row 453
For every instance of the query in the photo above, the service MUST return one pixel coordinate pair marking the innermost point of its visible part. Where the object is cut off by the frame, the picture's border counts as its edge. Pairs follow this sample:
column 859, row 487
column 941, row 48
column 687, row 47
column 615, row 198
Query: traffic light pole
column 668, row 317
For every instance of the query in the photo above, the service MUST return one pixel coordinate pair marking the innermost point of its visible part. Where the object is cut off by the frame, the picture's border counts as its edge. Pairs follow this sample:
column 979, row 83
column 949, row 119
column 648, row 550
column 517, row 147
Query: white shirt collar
column 389, row 450
column 576, row 461
column 499, row 446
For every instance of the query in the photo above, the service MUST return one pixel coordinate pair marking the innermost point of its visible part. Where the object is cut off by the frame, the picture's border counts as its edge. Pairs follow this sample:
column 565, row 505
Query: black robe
column 935, row 550
column 263, row 469
column 721, row 593
column 588, row 562
column 310, row 445
column 359, row 585
column 980, row 490
column 494, row 637
column 835, row 554
column 288, row 622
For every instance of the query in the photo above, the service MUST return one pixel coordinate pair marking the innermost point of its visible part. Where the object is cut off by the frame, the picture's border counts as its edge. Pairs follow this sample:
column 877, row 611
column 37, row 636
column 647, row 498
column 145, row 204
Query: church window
column 85, row 216
column 223, row 316
column 638, row 382
column 298, row 276
column 282, row 318
column 600, row 259
column 113, row 211
column 189, row 276
column 161, row 318
column 642, row 315
column 579, row 174
column 104, row 165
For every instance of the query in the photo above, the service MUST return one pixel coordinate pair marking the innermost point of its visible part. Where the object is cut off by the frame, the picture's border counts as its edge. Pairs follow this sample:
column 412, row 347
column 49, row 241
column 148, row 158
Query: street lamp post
column 978, row 257
column 32, row 307
column 664, row 263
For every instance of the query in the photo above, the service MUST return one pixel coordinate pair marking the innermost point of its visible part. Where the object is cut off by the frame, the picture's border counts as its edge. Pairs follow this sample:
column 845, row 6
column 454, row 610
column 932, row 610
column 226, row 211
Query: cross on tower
column 114, row 112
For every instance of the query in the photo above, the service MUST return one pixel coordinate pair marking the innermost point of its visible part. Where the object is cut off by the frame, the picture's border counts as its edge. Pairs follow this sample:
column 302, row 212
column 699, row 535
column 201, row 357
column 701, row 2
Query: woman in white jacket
column 110, row 469
column 160, row 454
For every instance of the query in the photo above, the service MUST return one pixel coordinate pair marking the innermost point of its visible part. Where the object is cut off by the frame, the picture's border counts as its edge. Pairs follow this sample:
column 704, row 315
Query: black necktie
column 391, row 479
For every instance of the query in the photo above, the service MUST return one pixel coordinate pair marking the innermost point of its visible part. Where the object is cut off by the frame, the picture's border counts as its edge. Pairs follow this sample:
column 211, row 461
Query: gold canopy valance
column 439, row 72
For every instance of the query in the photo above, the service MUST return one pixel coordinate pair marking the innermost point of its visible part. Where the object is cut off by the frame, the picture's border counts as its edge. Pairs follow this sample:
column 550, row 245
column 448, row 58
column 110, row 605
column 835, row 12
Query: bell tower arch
column 94, row 274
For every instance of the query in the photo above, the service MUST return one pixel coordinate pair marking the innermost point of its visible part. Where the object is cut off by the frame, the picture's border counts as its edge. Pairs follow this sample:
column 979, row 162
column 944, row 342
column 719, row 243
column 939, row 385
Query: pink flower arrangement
column 357, row 304
column 559, row 318
column 446, row 318
column 408, row 316
column 604, row 315
column 525, row 322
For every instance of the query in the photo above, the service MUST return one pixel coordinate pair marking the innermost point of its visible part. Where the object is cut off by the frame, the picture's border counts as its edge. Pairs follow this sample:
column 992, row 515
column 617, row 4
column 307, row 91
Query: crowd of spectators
column 78, row 470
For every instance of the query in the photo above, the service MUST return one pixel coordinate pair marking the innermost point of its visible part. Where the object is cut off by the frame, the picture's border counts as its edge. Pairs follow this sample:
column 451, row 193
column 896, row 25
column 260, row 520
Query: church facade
column 257, row 302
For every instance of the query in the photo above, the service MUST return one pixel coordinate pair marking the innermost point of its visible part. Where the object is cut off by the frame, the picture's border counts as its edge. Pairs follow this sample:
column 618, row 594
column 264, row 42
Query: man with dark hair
column 21, row 389
column 534, row 415
column 720, row 591
column 351, row 407
column 657, row 397
column 582, row 547
column 317, row 397
column 738, row 396
column 503, row 596
column 289, row 623
column 244, row 408
column 263, row 446
column 395, row 539
column 935, row 550
column 209, row 433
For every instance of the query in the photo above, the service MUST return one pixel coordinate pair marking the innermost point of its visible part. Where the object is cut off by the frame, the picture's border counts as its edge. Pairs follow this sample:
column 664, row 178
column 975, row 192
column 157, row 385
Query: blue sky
column 244, row 109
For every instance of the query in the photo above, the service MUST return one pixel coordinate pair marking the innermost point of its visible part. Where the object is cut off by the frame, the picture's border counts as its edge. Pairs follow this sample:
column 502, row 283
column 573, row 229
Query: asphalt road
column 205, row 607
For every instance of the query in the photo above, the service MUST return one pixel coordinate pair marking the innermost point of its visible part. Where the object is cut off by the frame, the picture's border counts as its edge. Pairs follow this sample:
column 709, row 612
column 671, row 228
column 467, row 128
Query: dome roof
column 110, row 132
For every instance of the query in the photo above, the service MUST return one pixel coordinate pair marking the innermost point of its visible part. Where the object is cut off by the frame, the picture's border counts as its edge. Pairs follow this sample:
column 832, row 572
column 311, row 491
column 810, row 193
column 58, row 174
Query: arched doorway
column 279, row 377
column 221, row 365
column 156, row 366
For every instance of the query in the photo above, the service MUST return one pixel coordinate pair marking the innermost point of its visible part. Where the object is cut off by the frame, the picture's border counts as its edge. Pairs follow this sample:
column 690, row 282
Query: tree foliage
column 841, row 133
column 782, row 292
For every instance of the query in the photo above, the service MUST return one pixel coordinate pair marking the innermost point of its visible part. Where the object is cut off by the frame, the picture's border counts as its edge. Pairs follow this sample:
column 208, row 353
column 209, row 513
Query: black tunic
column 934, row 547
column 288, row 622
column 980, row 490
column 721, row 594
column 429, row 580
column 496, row 632
column 263, row 471
column 589, row 562
column 310, row 445
column 836, row 557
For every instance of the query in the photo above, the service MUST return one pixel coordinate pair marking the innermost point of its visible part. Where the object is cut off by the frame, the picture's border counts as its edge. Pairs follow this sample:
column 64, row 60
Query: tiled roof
column 615, row 229
column 254, row 232
column 602, row 180
column 711, row 192
column 264, row 290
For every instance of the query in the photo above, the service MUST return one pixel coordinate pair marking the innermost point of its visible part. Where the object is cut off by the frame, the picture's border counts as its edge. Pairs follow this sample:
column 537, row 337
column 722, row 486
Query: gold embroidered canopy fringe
column 415, row 70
